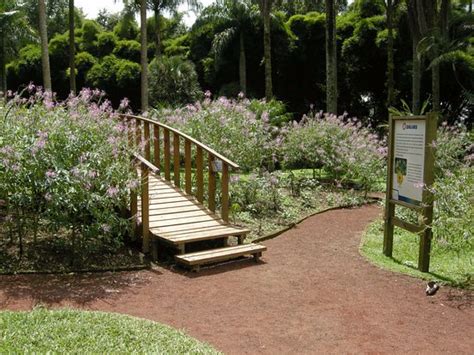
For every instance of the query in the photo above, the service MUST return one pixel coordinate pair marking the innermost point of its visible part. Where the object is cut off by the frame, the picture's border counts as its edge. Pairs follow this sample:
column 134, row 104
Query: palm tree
column 160, row 6
column 265, row 9
column 143, row 57
column 72, row 49
column 236, row 15
column 44, row 46
column 331, row 57
column 391, row 7
column 416, row 60
column 6, row 19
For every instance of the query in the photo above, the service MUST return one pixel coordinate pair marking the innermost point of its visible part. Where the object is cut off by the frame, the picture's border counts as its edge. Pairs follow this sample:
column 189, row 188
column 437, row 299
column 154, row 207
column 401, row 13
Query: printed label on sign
column 409, row 158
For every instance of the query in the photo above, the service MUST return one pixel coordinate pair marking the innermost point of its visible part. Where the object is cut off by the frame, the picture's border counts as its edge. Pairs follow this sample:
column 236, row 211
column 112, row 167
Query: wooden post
column 225, row 192
column 145, row 210
column 156, row 145
column 176, row 176
column 389, row 207
column 427, row 234
column 199, row 174
column 212, row 184
column 138, row 132
column 166, row 139
column 147, row 140
column 187, row 166
column 130, row 131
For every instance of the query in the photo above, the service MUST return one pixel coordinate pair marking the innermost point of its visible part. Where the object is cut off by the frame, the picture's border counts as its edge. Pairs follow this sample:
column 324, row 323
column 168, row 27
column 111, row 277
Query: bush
column 229, row 127
column 128, row 49
column 106, row 42
column 173, row 81
column 66, row 164
column 341, row 146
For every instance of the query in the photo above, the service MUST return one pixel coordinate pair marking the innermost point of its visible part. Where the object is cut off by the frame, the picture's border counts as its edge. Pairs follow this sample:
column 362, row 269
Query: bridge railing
column 161, row 149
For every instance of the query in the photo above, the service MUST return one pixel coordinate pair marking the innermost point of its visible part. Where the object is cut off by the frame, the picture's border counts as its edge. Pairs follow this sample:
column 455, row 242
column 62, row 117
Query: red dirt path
column 312, row 292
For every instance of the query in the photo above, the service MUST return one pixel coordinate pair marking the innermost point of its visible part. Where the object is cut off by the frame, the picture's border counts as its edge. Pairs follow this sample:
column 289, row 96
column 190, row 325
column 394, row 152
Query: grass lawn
column 71, row 331
column 447, row 266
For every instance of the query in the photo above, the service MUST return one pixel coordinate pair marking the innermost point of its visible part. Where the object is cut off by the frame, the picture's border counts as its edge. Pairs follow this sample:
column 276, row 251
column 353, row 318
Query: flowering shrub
column 66, row 164
column 342, row 146
column 228, row 126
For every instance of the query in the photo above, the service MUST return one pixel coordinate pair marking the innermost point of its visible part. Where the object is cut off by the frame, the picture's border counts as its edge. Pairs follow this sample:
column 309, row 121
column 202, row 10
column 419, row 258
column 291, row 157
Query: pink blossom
column 112, row 191
column 50, row 174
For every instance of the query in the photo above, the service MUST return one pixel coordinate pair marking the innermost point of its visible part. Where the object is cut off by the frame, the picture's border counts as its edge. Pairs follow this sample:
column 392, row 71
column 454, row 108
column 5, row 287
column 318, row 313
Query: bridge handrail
column 185, row 136
column 140, row 135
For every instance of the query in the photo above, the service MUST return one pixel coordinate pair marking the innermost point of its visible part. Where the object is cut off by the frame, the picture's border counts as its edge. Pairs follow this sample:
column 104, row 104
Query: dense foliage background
column 108, row 56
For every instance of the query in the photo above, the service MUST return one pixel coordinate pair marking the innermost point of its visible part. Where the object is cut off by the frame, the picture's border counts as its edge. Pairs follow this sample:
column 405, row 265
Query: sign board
column 410, row 170
column 409, row 159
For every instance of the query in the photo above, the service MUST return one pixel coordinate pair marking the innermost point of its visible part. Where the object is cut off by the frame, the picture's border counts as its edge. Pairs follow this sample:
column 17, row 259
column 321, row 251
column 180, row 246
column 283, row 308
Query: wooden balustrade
column 164, row 154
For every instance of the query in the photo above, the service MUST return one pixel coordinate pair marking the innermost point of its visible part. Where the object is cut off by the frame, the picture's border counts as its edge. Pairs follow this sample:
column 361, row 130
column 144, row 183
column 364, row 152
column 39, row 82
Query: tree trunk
column 44, row 46
column 3, row 74
column 143, row 57
column 331, row 58
column 390, row 60
column 242, row 65
column 267, row 47
column 416, row 79
column 72, row 49
column 435, row 87
column 157, row 33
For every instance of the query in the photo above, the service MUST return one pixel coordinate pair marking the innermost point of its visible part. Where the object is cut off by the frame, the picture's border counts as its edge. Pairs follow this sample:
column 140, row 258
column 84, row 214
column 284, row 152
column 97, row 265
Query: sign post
column 410, row 170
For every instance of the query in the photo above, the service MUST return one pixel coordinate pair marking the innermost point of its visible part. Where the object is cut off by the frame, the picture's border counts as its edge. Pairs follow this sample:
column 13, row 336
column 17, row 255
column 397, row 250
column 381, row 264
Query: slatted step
column 194, row 233
column 221, row 254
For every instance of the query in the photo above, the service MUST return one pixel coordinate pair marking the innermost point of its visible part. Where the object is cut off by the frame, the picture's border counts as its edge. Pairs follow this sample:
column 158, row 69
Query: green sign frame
column 413, row 151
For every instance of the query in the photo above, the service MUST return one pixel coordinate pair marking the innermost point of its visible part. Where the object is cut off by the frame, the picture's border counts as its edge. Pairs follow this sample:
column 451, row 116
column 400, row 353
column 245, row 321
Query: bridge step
column 194, row 260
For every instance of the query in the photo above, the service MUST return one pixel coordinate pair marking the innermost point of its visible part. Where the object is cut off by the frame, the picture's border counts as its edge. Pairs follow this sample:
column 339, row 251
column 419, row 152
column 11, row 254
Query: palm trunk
column 143, row 57
column 242, row 65
column 157, row 33
column 72, row 49
column 390, row 60
column 416, row 79
column 331, row 58
column 44, row 46
column 3, row 74
column 267, row 48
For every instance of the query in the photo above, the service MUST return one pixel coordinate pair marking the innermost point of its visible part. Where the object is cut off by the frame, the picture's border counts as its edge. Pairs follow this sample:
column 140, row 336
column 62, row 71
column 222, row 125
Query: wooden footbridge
column 170, row 206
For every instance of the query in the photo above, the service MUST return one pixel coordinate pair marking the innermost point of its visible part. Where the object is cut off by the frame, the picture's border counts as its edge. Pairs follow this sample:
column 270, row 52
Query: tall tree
column 236, row 16
column 143, row 57
column 44, row 46
column 391, row 7
column 331, row 57
column 72, row 49
column 265, row 9
column 416, row 60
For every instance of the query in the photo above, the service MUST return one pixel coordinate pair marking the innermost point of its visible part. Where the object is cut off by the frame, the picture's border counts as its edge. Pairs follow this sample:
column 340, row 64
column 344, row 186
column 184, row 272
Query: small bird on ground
column 431, row 288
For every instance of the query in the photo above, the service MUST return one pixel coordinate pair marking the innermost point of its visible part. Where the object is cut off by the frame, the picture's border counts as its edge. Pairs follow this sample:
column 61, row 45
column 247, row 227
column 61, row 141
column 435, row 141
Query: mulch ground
column 312, row 292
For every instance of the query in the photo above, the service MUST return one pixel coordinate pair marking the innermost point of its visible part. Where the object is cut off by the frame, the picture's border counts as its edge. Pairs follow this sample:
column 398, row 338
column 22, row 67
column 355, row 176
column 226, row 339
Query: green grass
column 71, row 331
column 447, row 266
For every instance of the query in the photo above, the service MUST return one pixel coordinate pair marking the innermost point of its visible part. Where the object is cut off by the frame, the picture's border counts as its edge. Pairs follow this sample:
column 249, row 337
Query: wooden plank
column 138, row 134
column 167, row 153
column 193, row 237
column 187, row 166
column 233, row 230
column 211, row 185
column 167, row 210
column 220, row 251
column 389, row 206
column 408, row 226
column 199, row 175
column 176, row 166
column 187, row 227
column 219, row 254
column 225, row 192
column 156, row 145
column 178, row 214
column 147, row 141
column 158, row 222
column 145, row 211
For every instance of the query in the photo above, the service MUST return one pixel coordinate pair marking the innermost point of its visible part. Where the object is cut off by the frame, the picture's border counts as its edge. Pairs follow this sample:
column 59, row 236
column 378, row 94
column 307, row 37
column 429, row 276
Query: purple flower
column 47, row 196
column 112, row 191
column 51, row 174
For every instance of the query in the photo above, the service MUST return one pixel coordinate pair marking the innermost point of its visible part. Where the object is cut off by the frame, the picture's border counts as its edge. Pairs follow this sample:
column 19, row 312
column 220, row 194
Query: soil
column 311, row 292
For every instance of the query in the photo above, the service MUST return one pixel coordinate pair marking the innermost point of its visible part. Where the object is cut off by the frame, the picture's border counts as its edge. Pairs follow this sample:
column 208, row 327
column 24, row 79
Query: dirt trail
column 312, row 292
